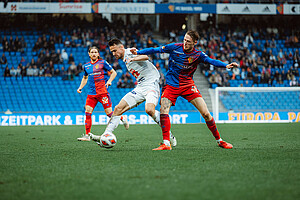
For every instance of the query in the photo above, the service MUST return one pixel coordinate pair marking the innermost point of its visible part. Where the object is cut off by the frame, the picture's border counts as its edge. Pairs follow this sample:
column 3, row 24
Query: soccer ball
column 108, row 140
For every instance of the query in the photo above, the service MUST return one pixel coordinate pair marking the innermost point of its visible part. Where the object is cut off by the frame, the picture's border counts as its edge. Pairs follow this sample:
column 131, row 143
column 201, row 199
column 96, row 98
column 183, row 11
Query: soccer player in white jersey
column 147, row 88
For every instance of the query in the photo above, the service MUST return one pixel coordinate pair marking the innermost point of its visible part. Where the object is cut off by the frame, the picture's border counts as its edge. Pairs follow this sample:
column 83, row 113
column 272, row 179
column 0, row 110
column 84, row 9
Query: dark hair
column 94, row 47
column 114, row 41
column 194, row 35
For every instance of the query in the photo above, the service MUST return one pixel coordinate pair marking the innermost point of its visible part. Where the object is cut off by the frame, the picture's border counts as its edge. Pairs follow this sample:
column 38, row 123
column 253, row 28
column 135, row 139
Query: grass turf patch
column 47, row 162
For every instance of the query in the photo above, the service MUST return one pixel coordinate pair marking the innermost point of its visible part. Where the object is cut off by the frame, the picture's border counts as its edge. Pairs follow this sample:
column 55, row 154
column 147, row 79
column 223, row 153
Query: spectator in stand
column 273, row 43
column 293, row 81
column 272, row 58
column 296, row 59
column 64, row 55
column 13, row 72
column 51, row 44
column 48, row 72
column 172, row 36
column 294, row 42
column 212, row 80
column 23, row 71
column 17, row 44
column 67, row 42
column 57, row 72
column 3, row 59
column 71, row 59
column 41, row 71
column 243, row 74
column 35, row 71
column 18, row 70
column 79, row 69
column 23, row 44
column 23, row 61
column 7, row 72
column 219, row 80
column 11, row 44
column 256, row 79
column 249, row 74
column 29, row 71
column 6, row 47
column 32, row 63
column 73, row 70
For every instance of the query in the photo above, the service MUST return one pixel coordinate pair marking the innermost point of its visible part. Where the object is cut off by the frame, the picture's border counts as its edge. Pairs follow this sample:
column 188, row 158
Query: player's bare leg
column 200, row 104
column 155, row 114
column 165, row 124
column 88, row 123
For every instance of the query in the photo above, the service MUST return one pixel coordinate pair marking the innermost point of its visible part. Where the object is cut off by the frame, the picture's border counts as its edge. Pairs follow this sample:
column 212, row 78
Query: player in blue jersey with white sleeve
column 183, row 62
column 98, row 74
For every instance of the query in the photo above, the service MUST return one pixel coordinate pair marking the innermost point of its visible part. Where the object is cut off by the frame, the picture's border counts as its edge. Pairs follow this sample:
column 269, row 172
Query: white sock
column 156, row 118
column 112, row 124
column 96, row 137
column 219, row 140
column 167, row 142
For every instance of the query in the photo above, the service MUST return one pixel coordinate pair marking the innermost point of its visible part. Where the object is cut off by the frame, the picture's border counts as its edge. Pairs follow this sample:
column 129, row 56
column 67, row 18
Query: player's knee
column 150, row 111
column 206, row 116
column 88, row 109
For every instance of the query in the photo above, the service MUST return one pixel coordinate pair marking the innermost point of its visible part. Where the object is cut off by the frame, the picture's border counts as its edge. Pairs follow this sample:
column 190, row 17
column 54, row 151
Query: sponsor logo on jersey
column 183, row 66
column 96, row 73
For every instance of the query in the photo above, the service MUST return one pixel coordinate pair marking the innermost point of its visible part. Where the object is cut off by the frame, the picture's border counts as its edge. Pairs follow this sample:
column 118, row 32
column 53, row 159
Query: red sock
column 165, row 126
column 88, row 122
column 213, row 128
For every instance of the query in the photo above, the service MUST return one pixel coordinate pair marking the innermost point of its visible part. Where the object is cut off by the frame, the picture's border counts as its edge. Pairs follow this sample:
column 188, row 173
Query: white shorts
column 148, row 93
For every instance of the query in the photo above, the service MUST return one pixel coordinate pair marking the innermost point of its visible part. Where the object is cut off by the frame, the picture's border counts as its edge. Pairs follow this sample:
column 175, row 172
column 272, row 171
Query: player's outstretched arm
column 231, row 65
column 137, row 58
column 82, row 84
column 112, row 76
column 146, row 51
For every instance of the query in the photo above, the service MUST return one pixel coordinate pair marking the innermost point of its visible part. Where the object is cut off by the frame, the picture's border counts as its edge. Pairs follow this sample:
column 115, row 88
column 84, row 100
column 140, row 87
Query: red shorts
column 172, row 93
column 104, row 99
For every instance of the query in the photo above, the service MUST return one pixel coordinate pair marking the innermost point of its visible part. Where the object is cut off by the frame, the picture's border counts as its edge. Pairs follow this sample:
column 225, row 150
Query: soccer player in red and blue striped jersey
column 98, row 74
column 183, row 62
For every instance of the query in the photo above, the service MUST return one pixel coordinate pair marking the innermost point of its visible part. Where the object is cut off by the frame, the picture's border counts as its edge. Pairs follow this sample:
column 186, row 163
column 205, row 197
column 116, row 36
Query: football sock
column 113, row 123
column 165, row 126
column 167, row 142
column 88, row 122
column 156, row 117
column 213, row 128
column 95, row 137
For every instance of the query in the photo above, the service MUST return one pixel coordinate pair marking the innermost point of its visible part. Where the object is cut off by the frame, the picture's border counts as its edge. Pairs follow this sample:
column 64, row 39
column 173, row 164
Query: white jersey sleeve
column 144, row 71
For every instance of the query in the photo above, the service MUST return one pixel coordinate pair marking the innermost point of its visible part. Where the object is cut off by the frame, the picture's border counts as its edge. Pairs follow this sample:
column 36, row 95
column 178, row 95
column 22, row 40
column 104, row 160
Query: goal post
column 256, row 104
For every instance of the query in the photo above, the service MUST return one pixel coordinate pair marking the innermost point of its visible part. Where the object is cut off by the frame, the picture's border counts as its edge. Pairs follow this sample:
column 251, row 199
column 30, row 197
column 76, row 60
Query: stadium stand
column 51, row 86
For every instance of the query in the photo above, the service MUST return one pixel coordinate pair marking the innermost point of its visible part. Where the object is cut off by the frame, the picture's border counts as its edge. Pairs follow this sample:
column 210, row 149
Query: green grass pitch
column 46, row 162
